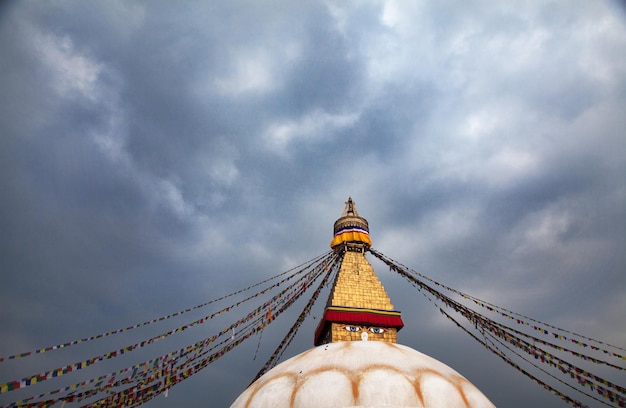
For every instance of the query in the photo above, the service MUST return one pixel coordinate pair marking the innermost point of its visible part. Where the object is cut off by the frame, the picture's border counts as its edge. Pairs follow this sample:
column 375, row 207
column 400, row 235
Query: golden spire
column 358, row 306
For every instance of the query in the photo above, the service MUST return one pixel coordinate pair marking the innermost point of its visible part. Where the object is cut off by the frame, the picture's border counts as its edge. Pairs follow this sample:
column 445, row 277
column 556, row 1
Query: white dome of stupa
column 362, row 374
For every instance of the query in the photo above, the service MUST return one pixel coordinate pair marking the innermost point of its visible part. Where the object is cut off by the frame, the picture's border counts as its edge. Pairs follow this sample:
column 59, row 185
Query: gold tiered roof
column 358, row 286
column 358, row 306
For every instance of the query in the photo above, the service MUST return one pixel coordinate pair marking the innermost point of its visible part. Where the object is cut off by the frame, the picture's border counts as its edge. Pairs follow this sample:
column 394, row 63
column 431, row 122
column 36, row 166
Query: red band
column 383, row 319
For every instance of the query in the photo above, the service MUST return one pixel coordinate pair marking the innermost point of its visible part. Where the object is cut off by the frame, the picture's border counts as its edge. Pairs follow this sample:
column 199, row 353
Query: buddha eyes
column 375, row 330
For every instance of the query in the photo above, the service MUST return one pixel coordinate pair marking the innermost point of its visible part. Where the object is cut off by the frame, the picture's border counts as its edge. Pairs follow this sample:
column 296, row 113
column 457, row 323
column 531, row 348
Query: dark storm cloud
column 155, row 156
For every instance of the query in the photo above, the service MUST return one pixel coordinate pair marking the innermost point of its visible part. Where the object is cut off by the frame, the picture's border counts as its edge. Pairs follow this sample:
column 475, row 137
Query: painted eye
column 377, row 330
column 353, row 328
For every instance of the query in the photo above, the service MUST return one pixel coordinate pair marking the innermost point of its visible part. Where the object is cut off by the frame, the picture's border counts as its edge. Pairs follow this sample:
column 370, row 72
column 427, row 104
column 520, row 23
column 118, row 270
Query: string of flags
column 509, row 361
column 86, row 394
column 135, row 385
column 487, row 327
column 181, row 363
column 298, row 270
column 286, row 341
column 525, row 320
column 286, row 304
column 40, row 377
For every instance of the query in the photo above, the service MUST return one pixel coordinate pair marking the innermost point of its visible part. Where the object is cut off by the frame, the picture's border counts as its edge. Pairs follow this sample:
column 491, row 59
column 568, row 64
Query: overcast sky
column 155, row 155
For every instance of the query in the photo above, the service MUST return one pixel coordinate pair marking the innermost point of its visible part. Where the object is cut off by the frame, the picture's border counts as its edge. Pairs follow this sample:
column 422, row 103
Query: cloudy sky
column 155, row 155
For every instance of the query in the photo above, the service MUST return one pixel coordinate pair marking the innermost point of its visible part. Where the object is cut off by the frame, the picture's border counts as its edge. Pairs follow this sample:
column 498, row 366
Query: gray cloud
column 156, row 156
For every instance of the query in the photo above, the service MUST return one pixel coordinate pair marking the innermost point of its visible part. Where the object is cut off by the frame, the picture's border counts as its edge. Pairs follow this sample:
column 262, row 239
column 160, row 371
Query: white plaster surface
column 362, row 374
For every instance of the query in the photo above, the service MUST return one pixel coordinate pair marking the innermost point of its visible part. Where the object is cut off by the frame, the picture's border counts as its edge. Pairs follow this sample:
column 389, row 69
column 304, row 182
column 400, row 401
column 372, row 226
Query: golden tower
column 358, row 307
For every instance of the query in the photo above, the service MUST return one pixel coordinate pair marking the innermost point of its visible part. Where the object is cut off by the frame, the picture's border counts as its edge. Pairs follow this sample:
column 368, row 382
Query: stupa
column 356, row 361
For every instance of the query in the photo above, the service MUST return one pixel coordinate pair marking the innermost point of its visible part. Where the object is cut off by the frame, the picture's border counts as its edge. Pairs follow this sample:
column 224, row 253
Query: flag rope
column 282, row 346
column 276, row 302
column 156, row 389
column 158, row 319
column 139, row 383
column 511, row 336
column 520, row 318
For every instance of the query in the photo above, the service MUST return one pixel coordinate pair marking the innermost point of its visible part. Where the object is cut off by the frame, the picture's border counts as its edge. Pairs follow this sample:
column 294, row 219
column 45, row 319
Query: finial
column 350, row 208
column 350, row 205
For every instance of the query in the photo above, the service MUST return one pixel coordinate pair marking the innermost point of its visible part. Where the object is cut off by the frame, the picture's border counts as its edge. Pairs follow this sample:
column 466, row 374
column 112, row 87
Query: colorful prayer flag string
column 500, row 331
column 141, row 374
column 271, row 362
column 519, row 318
column 299, row 269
